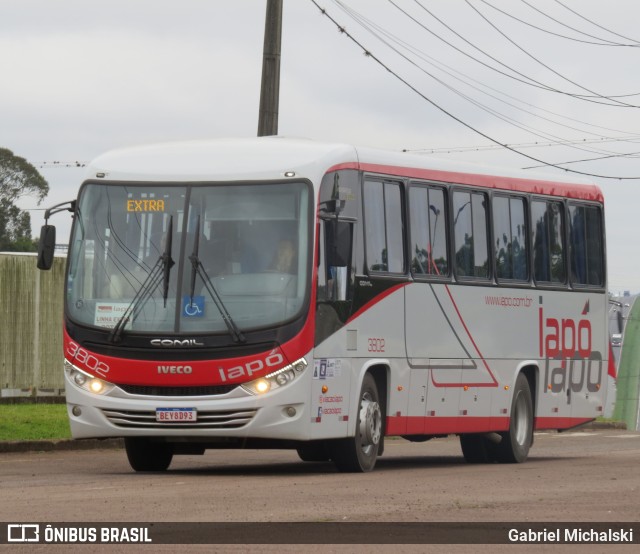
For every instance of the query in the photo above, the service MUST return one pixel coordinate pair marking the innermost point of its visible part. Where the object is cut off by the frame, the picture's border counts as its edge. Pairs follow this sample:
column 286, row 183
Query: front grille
column 207, row 419
column 212, row 390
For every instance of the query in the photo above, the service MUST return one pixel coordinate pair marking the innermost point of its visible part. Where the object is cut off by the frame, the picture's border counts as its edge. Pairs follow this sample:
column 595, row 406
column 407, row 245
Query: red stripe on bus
column 434, row 425
column 515, row 184
column 611, row 370
column 121, row 370
column 551, row 422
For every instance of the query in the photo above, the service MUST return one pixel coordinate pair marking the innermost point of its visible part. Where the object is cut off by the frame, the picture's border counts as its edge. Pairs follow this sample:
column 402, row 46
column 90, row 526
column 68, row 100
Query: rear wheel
column 359, row 453
column 146, row 455
column 515, row 443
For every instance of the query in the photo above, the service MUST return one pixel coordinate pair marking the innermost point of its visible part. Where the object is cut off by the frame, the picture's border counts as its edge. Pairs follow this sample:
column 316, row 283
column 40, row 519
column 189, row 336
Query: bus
column 284, row 293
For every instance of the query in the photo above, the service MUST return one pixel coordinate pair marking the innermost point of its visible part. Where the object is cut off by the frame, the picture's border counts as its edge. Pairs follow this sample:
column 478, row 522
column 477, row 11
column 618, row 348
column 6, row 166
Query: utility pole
column 270, row 86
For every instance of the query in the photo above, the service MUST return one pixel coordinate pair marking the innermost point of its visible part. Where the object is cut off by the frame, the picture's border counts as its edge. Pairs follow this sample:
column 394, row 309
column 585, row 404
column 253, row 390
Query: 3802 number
column 81, row 356
column 376, row 345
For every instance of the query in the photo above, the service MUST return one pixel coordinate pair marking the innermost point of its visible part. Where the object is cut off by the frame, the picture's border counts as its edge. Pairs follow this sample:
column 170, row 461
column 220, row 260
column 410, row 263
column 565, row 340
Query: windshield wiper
column 160, row 271
column 167, row 261
column 197, row 269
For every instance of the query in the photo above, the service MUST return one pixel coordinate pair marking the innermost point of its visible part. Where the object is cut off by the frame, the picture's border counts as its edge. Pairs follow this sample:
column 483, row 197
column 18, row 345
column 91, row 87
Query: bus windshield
column 189, row 258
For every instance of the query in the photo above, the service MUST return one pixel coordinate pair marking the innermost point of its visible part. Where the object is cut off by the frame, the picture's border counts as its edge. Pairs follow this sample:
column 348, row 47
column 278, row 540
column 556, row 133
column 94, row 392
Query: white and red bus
column 276, row 293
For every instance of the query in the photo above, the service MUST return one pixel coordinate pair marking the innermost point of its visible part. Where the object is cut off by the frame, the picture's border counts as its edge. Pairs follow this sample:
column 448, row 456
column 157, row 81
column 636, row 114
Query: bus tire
column 358, row 454
column 477, row 449
column 516, row 442
column 146, row 455
column 314, row 452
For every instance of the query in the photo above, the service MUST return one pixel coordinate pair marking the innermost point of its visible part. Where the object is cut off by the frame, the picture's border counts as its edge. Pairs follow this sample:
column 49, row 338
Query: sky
column 556, row 81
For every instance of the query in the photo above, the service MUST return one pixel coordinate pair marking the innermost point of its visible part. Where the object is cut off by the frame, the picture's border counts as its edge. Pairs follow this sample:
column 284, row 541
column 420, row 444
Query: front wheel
column 359, row 453
column 515, row 443
column 146, row 455
column 313, row 452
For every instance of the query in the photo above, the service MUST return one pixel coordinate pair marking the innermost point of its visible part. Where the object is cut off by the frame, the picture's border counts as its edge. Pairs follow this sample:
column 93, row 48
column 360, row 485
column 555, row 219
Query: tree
column 17, row 178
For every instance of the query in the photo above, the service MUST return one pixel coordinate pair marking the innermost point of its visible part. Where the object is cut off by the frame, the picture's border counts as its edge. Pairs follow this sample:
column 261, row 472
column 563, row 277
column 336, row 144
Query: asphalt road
column 574, row 476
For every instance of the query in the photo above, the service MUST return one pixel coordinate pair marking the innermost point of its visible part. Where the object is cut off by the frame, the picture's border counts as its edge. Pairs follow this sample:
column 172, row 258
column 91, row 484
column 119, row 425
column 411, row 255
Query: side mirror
column 46, row 246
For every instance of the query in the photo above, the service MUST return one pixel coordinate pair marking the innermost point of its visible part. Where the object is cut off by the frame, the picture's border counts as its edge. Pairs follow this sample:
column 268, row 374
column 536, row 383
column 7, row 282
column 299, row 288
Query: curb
column 56, row 445
column 599, row 425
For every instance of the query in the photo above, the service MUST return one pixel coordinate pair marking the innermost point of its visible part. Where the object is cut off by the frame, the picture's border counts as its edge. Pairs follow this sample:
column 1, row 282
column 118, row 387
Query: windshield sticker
column 145, row 205
column 108, row 313
column 192, row 307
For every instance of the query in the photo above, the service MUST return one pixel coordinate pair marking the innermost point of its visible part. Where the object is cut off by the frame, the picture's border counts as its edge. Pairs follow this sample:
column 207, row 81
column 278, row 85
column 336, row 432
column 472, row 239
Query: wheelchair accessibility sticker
column 193, row 307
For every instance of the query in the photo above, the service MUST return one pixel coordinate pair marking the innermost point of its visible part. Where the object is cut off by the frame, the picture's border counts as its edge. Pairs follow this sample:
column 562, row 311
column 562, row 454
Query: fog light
column 76, row 411
column 290, row 411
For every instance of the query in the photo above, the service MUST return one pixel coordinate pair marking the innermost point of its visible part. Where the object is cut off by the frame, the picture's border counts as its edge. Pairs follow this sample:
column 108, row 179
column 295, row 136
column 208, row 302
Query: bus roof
column 268, row 158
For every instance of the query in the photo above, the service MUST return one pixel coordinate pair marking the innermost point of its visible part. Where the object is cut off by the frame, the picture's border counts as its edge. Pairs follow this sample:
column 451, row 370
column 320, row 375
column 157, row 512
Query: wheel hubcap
column 370, row 423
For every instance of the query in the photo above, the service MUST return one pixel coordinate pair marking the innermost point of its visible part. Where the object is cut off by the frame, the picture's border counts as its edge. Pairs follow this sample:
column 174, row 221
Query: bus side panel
column 374, row 338
column 472, row 340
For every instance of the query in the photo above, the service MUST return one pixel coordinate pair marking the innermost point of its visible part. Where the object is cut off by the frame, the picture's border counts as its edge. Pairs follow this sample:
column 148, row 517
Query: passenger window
column 470, row 234
column 384, row 227
column 586, row 252
column 548, row 242
column 428, row 231
column 509, row 233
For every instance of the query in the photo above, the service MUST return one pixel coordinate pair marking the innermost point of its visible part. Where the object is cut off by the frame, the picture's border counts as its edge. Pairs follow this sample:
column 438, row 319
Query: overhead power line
column 523, row 78
column 486, row 147
column 377, row 31
column 527, row 53
column 602, row 41
column 367, row 52
column 56, row 164
column 596, row 24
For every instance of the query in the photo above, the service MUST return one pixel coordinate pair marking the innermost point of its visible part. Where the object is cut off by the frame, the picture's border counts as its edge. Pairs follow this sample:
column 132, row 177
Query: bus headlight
column 277, row 379
column 85, row 381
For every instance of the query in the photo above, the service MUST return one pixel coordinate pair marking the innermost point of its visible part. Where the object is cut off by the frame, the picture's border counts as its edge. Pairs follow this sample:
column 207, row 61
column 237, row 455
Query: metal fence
column 31, row 304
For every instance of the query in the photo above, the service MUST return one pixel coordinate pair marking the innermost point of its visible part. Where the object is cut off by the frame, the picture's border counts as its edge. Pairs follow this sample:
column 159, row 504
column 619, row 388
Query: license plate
column 176, row 414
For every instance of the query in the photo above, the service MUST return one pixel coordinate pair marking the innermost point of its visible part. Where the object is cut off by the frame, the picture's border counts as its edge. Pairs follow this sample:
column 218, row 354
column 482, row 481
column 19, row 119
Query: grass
column 28, row 422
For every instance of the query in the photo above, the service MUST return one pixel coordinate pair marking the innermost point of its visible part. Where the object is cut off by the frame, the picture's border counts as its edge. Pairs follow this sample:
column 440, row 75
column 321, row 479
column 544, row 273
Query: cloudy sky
column 555, row 80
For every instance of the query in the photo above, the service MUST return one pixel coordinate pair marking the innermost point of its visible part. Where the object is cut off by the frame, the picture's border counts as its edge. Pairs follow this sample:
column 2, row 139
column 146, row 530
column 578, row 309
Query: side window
column 384, row 227
column 509, row 233
column 586, row 252
column 470, row 234
column 547, row 227
column 428, row 231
